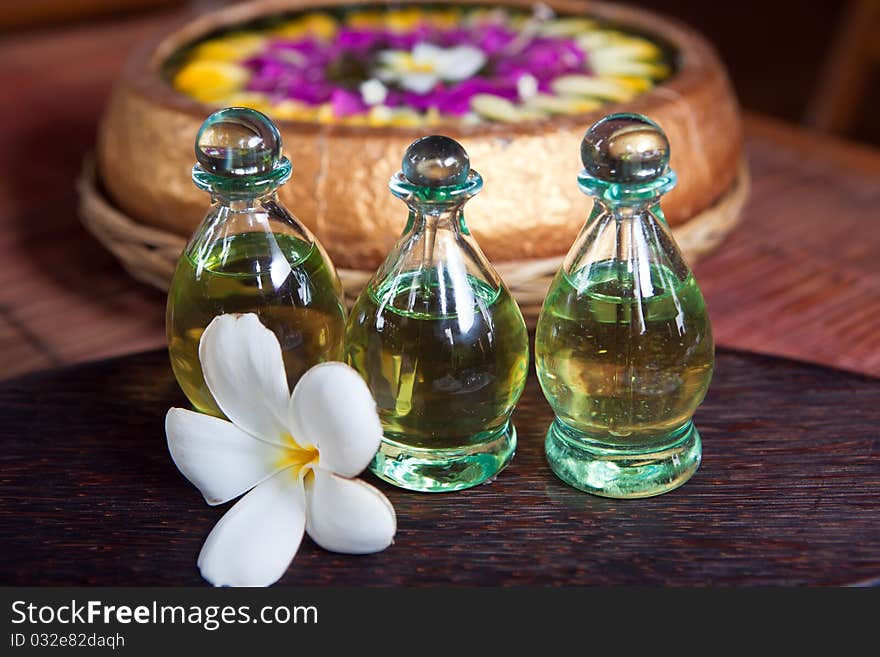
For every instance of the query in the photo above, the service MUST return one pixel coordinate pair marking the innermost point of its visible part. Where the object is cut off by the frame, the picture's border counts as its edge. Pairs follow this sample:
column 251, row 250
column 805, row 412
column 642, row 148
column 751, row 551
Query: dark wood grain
column 789, row 493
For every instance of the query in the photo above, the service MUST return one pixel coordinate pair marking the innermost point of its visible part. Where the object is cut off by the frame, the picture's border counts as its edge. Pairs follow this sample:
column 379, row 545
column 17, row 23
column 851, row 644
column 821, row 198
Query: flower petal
column 348, row 515
column 218, row 458
column 332, row 409
column 460, row 62
column 242, row 364
column 254, row 543
column 420, row 83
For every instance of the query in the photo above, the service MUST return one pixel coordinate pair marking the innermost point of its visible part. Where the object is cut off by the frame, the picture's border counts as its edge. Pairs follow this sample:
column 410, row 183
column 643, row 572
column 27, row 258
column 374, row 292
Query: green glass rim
column 626, row 192
column 402, row 188
column 259, row 183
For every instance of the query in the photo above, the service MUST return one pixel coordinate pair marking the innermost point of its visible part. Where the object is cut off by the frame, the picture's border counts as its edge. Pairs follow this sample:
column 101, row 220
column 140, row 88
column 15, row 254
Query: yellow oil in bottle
column 286, row 281
column 620, row 369
column 441, row 380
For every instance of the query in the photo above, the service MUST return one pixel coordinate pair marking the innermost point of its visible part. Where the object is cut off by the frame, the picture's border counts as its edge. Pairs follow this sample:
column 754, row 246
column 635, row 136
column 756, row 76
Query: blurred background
column 817, row 64
column 807, row 76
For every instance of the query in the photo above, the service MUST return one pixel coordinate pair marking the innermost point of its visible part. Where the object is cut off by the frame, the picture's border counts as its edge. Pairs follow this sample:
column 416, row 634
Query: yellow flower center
column 298, row 457
column 409, row 65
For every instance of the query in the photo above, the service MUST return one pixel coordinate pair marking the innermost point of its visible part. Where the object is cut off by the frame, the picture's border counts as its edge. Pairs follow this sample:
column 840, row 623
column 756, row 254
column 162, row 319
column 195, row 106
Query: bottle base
column 444, row 470
column 621, row 473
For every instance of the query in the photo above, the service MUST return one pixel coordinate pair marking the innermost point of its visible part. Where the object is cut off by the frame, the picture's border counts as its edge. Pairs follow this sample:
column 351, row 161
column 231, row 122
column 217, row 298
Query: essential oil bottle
column 623, row 344
column 250, row 254
column 437, row 336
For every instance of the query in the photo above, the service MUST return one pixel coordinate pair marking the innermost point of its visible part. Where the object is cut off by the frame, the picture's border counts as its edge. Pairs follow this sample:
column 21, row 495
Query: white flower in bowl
column 296, row 453
column 427, row 64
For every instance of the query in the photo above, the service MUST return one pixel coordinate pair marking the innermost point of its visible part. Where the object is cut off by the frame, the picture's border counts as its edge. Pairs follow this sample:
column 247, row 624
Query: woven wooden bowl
column 141, row 202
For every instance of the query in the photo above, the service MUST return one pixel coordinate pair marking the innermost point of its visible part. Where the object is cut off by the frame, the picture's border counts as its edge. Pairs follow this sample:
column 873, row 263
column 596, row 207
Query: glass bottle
column 437, row 336
column 250, row 254
column 623, row 344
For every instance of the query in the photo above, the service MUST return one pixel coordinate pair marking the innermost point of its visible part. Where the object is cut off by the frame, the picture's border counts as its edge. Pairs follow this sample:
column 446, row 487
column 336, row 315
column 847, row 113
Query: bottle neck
column 632, row 233
column 436, row 242
column 232, row 214
column 625, row 212
column 632, row 223
column 433, row 217
column 435, row 208
column 237, row 203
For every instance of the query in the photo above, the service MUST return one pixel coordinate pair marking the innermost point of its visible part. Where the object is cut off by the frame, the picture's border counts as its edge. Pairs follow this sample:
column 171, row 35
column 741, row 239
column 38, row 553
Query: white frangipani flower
column 428, row 64
column 296, row 454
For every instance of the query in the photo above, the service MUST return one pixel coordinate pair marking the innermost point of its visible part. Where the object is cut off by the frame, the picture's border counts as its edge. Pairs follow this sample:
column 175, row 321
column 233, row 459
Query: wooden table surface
column 788, row 493
column 800, row 276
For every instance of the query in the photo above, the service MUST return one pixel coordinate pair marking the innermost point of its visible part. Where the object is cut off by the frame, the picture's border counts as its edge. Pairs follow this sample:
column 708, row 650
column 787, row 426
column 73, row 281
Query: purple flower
column 396, row 98
column 543, row 58
column 298, row 68
column 406, row 40
column 456, row 99
column 346, row 103
column 493, row 38
column 454, row 37
column 357, row 40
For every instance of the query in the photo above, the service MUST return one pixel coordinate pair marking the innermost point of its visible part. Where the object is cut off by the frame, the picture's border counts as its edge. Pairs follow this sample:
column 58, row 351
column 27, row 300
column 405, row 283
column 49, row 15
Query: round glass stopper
column 625, row 148
column 238, row 141
column 436, row 161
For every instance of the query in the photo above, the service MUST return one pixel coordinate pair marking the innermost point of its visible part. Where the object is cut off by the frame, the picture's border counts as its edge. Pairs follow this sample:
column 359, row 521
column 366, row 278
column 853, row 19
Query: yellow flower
column 402, row 20
column 447, row 18
column 316, row 24
column 604, row 88
column 229, row 48
column 406, row 117
column 353, row 119
column 360, row 19
column 210, row 81
column 432, row 116
column 629, row 69
column 636, row 83
column 324, row 113
column 396, row 20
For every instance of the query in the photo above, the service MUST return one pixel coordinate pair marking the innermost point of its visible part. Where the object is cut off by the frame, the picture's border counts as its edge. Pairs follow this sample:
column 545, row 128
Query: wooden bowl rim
column 695, row 57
